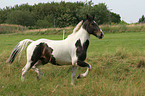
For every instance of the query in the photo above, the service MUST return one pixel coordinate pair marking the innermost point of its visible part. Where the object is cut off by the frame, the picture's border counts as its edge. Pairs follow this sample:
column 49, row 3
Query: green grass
column 118, row 69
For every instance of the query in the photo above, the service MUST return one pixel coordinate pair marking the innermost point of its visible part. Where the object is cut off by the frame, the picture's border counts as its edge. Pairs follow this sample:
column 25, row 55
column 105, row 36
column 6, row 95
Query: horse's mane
column 76, row 28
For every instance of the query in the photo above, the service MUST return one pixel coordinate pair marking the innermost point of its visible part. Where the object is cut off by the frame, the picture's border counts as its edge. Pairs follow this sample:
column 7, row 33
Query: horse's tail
column 18, row 49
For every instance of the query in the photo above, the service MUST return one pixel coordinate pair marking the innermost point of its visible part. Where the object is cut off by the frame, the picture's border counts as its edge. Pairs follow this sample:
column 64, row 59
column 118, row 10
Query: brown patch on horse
column 46, row 54
column 43, row 53
column 81, row 51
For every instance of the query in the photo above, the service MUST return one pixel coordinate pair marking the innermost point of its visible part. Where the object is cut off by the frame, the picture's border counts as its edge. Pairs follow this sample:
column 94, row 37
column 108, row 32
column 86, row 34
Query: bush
column 42, row 24
column 20, row 17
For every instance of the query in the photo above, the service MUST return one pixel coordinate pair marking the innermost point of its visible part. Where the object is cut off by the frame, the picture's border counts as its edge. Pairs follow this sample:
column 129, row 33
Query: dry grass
column 11, row 28
column 123, row 28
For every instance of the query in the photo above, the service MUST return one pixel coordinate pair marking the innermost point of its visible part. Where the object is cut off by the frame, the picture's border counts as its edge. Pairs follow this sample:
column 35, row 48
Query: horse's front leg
column 83, row 64
column 74, row 70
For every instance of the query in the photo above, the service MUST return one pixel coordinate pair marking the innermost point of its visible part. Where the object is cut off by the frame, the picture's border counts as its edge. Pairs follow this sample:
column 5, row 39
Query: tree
column 82, row 11
column 142, row 19
column 3, row 14
column 42, row 24
column 62, row 13
column 115, row 18
column 99, row 11
column 20, row 17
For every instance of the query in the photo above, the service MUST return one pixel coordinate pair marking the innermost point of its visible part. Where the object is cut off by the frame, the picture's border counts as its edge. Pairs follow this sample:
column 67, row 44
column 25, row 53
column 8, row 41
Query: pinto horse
column 70, row 51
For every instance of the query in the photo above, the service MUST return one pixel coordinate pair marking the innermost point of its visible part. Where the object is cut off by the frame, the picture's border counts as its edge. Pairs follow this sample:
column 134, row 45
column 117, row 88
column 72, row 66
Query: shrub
column 20, row 17
column 42, row 24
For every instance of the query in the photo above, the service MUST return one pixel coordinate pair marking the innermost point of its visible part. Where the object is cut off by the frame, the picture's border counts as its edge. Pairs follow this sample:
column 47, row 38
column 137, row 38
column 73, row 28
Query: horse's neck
column 82, row 34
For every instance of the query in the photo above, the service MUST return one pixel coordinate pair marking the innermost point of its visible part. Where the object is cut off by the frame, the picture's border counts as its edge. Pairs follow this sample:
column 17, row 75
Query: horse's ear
column 93, row 17
column 88, row 17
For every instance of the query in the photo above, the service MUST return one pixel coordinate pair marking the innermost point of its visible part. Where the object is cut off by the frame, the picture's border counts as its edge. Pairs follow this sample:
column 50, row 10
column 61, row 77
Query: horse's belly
column 64, row 62
column 62, row 59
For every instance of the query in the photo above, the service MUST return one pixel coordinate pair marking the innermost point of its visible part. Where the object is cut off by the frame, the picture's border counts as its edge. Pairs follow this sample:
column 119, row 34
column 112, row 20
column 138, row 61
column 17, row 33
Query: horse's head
column 92, row 27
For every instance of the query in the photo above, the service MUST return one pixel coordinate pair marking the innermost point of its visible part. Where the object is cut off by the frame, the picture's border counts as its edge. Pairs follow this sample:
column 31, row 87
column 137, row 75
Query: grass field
column 118, row 69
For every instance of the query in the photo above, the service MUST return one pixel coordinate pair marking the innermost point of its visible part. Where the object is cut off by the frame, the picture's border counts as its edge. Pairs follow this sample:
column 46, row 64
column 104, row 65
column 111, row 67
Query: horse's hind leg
column 83, row 64
column 40, row 73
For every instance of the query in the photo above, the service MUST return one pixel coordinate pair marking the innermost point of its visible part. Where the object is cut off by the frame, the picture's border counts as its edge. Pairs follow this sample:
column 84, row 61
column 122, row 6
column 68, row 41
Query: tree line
column 142, row 19
column 54, row 14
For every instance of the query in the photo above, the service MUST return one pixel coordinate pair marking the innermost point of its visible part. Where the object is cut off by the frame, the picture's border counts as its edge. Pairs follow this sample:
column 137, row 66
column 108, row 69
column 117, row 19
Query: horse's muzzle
column 100, row 34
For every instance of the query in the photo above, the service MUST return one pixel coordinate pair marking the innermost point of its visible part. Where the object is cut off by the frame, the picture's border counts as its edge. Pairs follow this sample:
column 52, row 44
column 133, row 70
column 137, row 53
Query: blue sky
column 129, row 10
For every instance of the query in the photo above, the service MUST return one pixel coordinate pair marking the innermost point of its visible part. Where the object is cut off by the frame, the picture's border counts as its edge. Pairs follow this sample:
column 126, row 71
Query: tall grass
column 111, row 75
column 7, row 28
column 117, row 69
column 123, row 28
column 105, row 28
column 120, row 28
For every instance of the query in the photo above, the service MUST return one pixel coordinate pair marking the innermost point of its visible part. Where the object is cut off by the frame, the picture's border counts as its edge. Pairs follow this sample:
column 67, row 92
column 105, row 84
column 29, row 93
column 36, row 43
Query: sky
column 129, row 10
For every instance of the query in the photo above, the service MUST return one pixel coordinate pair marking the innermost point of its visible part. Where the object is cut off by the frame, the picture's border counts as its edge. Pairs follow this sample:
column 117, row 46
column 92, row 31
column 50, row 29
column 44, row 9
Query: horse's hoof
column 38, row 78
column 72, row 84
column 78, row 77
column 22, row 79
